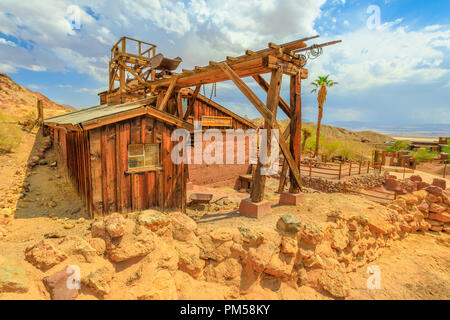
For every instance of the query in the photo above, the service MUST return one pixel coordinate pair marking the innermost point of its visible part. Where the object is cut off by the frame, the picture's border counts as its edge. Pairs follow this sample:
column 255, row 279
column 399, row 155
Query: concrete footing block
column 291, row 199
column 254, row 209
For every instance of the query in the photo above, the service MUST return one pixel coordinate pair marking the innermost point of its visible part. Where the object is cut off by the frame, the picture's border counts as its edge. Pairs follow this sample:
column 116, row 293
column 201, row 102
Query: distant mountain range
column 425, row 129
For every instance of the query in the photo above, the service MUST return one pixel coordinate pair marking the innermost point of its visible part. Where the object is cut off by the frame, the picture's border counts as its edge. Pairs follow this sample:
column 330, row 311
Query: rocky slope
column 17, row 101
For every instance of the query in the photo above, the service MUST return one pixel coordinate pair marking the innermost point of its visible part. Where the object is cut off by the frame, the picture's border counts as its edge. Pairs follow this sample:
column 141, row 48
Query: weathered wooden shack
column 119, row 156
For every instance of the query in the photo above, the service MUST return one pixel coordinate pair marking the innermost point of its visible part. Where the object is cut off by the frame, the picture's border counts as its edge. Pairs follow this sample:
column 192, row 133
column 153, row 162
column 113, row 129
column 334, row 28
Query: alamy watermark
column 209, row 147
column 73, row 16
column 374, row 20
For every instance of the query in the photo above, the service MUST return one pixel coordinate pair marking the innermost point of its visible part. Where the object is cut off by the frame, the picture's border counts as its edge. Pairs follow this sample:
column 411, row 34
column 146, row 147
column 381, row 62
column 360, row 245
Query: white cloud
column 389, row 55
column 7, row 42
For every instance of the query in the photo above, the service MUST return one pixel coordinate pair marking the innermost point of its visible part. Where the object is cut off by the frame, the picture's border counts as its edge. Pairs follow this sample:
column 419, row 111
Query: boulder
column 422, row 185
column 76, row 246
column 189, row 259
column 409, row 198
column 98, row 229
column 44, row 255
column 434, row 190
column 153, row 220
column 56, row 285
column 441, row 183
column 432, row 198
column 289, row 246
column 251, row 237
column 443, row 216
column 99, row 245
column 132, row 246
column 311, row 233
column 423, row 206
column 409, row 186
column 335, row 282
column 183, row 226
column 259, row 257
column 99, row 279
column 415, row 178
column 114, row 225
column 393, row 185
column 436, row 208
column 13, row 277
column 289, row 223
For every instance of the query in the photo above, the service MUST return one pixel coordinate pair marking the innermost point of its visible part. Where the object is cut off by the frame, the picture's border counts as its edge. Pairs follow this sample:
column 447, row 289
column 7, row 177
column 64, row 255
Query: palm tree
column 321, row 83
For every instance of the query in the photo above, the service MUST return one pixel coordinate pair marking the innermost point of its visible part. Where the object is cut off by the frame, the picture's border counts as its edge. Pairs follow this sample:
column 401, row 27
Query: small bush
column 422, row 155
column 10, row 134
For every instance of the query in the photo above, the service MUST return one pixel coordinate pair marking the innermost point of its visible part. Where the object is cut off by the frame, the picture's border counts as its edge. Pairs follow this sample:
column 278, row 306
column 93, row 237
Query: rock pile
column 414, row 183
column 39, row 154
column 426, row 209
column 334, row 186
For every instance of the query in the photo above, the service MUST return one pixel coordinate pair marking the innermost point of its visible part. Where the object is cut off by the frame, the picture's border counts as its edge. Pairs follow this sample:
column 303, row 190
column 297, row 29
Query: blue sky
column 396, row 73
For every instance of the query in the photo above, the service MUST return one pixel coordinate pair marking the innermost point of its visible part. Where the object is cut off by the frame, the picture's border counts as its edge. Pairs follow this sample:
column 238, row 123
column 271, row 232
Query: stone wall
column 332, row 186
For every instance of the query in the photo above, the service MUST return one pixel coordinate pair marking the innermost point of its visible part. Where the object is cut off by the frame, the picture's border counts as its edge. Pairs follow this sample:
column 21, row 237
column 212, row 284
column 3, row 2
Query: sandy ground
column 417, row 267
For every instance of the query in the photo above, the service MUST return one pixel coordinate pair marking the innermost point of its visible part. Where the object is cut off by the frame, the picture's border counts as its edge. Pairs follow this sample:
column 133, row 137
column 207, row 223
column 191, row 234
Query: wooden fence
column 337, row 171
column 374, row 195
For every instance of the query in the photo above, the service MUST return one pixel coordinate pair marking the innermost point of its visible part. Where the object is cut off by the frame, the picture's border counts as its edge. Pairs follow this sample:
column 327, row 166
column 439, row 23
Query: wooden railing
column 132, row 47
column 338, row 170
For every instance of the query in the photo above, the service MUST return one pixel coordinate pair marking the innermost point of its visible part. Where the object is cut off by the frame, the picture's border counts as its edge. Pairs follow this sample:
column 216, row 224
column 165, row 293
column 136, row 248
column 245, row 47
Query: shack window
column 143, row 155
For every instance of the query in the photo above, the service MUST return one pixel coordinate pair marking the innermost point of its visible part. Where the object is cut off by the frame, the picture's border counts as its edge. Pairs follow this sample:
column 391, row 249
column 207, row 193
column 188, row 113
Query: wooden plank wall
column 78, row 164
column 203, row 109
column 113, row 189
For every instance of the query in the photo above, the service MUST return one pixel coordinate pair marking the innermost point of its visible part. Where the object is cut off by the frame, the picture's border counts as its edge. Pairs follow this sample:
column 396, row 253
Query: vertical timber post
column 273, row 97
column 296, row 127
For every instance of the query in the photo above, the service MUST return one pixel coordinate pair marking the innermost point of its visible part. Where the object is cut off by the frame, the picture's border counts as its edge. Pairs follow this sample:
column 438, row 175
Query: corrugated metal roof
column 96, row 112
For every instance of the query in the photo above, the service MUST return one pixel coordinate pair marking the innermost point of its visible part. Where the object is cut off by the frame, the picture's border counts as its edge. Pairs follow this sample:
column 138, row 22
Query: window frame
column 144, row 168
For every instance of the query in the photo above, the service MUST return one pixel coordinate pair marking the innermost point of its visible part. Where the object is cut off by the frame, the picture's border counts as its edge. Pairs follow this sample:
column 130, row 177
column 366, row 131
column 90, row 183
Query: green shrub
column 401, row 145
column 422, row 155
column 10, row 134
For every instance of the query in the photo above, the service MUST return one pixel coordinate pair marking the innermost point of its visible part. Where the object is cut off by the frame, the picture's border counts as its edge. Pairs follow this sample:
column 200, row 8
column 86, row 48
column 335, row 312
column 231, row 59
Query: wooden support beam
column 285, row 164
column 179, row 105
column 294, row 171
column 168, row 93
column 250, row 52
column 266, row 113
column 138, row 77
column 265, row 86
column 273, row 96
column 191, row 103
column 296, row 128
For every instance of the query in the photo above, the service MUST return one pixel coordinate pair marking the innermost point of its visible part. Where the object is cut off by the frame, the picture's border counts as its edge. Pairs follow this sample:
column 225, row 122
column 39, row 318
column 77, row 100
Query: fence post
column 344, row 188
column 340, row 167
column 310, row 168
column 350, row 169
column 404, row 171
column 380, row 168
column 360, row 165
column 368, row 166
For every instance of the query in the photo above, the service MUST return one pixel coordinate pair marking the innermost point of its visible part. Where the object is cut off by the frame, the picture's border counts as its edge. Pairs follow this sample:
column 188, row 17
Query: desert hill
column 17, row 101
column 335, row 141
column 336, row 132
